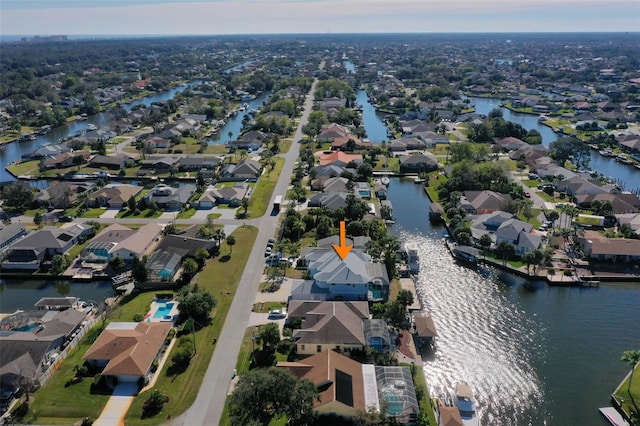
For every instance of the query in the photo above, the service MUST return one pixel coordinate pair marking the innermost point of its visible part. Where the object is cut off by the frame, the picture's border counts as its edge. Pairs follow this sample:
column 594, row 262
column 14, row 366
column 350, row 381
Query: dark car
column 66, row 218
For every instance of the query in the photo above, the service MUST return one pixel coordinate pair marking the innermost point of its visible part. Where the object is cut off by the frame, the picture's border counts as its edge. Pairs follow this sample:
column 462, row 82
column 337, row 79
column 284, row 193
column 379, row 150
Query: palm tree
column 218, row 236
column 231, row 241
column 632, row 358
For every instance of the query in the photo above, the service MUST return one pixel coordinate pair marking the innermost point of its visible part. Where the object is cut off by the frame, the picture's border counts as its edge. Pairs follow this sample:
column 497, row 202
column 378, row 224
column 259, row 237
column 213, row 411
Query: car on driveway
column 277, row 313
column 267, row 251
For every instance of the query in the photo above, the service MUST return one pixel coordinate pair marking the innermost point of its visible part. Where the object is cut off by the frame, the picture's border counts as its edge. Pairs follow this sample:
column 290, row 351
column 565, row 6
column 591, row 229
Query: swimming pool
column 29, row 327
column 163, row 310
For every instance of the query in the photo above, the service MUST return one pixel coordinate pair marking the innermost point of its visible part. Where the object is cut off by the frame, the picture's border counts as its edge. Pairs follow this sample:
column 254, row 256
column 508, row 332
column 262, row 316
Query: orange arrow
column 342, row 250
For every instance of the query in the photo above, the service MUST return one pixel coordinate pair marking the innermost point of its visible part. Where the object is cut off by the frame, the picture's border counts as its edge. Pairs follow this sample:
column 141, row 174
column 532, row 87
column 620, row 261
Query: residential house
column 422, row 162
column 120, row 241
column 578, row 185
column 163, row 266
column 61, row 195
column 156, row 142
column 519, row 234
column 425, row 329
column 332, row 104
column 31, row 341
column 126, row 350
column 620, row 203
column 356, row 277
column 331, row 201
column 160, row 163
column 349, row 143
column 252, row 140
column 66, row 159
column 113, row 162
column 196, row 163
column 328, row 325
column 9, row 234
column 245, row 169
column 113, row 196
column 480, row 202
column 598, row 247
column 347, row 387
column 226, row 195
column 29, row 252
column 167, row 197
column 331, row 185
column 632, row 219
column 509, row 143
column 406, row 144
column 332, row 131
column 337, row 156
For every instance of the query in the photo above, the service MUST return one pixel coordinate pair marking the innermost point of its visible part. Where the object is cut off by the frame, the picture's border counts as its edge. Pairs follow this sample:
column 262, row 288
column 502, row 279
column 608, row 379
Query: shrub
column 567, row 272
column 138, row 317
column 551, row 271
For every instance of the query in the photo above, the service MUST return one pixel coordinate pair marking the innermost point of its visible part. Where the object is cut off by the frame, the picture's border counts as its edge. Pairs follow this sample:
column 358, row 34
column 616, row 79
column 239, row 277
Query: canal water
column 372, row 120
column 14, row 151
column 22, row 294
column 533, row 354
column 627, row 176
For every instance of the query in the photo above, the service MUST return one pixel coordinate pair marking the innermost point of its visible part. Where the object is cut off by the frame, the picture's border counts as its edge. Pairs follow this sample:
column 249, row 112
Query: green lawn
column 187, row 213
column 263, row 190
column 623, row 394
column 93, row 213
column 392, row 164
column 546, row 197
column 25, row 168
column 419, row 381
column 55, row 404
column 143, row 214
column 436, row 180
column 220, row 276
column 531, row 183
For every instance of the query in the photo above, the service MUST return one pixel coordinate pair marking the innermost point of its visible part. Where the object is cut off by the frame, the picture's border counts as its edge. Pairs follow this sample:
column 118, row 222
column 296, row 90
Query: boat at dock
column 385, row 180
column 466, row 404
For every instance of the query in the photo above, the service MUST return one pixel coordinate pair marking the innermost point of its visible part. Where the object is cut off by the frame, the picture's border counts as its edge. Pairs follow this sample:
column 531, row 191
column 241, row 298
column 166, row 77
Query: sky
column 187, row 17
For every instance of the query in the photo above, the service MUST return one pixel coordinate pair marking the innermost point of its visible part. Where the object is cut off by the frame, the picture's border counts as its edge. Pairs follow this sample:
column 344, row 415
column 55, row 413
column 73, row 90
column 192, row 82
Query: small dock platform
column 613, row 416
column 410, row 285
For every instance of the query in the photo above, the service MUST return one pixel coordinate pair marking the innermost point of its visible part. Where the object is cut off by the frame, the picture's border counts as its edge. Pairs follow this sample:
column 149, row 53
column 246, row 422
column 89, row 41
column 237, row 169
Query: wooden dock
column 410, row 285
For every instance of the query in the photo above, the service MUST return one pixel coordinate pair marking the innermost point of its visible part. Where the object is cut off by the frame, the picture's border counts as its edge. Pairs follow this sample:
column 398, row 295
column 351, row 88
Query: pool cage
column 397, row 393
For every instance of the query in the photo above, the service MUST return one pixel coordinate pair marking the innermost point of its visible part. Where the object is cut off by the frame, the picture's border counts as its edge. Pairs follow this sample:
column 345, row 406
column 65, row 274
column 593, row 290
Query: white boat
column 466, row 403
column 385, row 180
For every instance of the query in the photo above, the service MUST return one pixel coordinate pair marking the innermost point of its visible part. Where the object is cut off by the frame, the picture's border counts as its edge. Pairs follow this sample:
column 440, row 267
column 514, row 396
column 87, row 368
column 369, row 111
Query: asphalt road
column 210, row 401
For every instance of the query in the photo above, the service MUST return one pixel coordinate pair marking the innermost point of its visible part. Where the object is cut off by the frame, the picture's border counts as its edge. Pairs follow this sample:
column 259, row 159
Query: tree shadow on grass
column 225, row 258
column 175, row 369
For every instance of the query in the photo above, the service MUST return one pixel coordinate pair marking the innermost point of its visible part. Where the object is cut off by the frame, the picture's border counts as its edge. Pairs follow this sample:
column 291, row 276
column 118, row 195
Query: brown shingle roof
column 129, row 350
column 322, row 369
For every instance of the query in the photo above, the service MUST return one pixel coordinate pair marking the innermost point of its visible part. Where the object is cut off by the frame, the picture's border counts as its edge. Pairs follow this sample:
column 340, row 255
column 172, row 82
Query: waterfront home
column 57, row 303
column 419, row 162
column 163, row 266
column 113, row 196
column 167, row 197
column 66, row 159
column 633, row 220
column 120, row 241
column 29, row 252
column 328, row 325
column 406, row 144
column 519, row 234
column 425, row 329
column 245, row 169
column 620, row 203
column 332, row 104
column 192, row 163
column 114, row 162
column 331, row 185
column 331, row 201
column 9, row 234
column 577, row 185
column 31, row 341
column 356, row 277
column 160, row 163
column 347, row 387
column 332, row 131
column 598, row 247
column 126, row 350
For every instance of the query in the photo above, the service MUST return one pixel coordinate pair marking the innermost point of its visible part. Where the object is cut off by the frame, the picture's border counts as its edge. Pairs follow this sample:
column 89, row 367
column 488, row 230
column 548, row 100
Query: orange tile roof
column 338, row 156
column 129, row 350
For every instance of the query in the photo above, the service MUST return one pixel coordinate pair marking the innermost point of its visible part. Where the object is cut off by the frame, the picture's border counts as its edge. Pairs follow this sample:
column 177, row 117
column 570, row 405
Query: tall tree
column 231, row 241
column 632, row 358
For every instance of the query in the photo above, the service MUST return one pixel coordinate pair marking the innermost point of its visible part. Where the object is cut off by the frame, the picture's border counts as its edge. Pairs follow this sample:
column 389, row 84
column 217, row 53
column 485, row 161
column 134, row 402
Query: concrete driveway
column 109, row 214
column 116, row 409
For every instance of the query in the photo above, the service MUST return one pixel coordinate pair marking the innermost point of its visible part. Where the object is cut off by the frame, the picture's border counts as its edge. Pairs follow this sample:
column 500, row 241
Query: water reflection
column 480, row 331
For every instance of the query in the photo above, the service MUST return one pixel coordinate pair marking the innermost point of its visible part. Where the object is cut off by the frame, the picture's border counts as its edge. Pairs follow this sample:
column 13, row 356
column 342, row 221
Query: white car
column 277, row 313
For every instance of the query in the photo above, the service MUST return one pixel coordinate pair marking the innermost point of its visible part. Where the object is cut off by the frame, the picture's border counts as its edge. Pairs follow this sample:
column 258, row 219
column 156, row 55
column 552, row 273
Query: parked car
column 277, row 313
column 267, row 251
column 67, row 218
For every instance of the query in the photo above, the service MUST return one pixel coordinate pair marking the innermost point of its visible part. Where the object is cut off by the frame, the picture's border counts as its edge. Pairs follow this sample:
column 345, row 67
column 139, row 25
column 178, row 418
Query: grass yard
column 531, row 183
column 392, row 164
column 220, row 276
column 55, row 404
column 143, row 214
column 187, row 214
column 419, row 381
column 25, row 168
column 263, row 190
column 93, row 213
column 436, row 180
column 624, row 395
column 216, row 149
